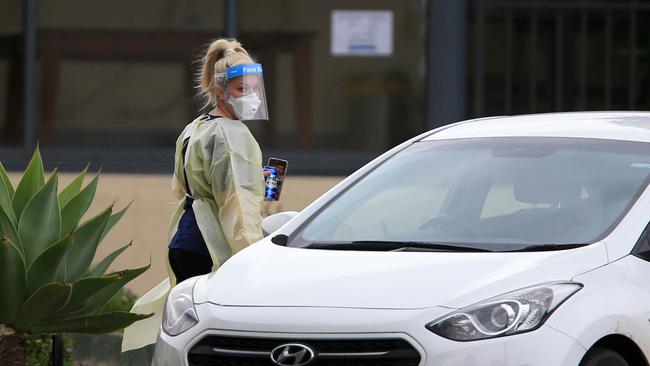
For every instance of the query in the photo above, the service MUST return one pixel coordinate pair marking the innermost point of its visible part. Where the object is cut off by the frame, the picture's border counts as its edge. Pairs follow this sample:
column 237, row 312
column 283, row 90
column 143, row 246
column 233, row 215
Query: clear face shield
column 243, row 86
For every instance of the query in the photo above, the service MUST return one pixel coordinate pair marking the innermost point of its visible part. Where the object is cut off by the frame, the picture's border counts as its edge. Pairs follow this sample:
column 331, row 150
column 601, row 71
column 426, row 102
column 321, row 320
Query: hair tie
column 228, row 51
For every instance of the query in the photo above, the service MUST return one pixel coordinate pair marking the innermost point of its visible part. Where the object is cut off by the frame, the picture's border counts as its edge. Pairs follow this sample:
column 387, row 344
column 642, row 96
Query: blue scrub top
column 188, row 236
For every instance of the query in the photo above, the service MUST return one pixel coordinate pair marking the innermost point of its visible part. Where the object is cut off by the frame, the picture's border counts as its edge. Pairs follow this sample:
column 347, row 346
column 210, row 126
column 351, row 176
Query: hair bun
column 220, row 54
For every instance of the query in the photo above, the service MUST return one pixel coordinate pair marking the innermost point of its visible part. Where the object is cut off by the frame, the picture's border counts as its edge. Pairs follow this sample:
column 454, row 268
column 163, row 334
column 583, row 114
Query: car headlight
column 512, row 313
column 179, row 314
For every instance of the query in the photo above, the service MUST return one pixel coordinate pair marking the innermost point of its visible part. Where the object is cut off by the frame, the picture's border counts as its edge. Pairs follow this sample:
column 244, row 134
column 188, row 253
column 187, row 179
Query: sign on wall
column 362, row 33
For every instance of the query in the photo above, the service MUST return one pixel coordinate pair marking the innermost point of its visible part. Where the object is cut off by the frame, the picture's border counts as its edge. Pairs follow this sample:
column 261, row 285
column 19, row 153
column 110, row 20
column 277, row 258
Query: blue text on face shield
column 243, row 69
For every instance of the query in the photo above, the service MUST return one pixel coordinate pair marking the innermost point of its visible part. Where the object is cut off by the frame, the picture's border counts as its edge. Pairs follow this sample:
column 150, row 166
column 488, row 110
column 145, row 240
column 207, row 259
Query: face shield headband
column 243, row 86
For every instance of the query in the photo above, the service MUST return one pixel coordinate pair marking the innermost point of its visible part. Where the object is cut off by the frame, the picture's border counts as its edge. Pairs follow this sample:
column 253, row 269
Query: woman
column 218, row 174
column 217, row 179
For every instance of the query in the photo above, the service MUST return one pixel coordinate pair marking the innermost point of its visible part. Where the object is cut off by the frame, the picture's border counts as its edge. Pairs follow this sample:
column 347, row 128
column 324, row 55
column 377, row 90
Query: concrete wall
column 146, row 222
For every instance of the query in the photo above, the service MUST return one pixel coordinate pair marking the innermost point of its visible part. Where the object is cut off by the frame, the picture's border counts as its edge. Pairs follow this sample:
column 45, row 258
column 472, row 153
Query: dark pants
column 186, row 264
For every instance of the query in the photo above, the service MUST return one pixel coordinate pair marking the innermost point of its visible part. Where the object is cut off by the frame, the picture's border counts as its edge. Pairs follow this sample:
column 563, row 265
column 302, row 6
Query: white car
column 500, row 241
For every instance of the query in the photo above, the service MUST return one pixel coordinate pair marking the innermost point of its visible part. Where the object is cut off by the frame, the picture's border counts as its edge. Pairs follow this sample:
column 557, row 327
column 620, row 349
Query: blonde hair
column 220, row 55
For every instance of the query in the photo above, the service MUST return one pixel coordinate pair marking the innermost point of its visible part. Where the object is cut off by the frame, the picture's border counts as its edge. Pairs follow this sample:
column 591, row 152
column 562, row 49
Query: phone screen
column 279, row 164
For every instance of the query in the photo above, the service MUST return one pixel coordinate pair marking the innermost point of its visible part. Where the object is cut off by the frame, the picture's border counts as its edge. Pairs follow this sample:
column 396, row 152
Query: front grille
column 216, row 350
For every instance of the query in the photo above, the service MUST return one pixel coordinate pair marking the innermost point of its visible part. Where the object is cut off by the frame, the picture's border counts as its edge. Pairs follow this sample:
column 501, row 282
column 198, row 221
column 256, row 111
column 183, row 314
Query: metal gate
column 532, row 56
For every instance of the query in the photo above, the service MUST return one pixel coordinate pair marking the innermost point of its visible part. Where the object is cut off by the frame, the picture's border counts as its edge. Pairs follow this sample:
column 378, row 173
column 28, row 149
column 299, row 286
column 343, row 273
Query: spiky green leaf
column 60, row 274
column 84, row 245
column 6, row 196
column 12, row 281
column 94, row 324
column 8, row 229
column 31, row 182
column 72, row 189
column 47, row 300
column 102, row 266
column 114, row 219
column 78, row 205
column 40, row 224
column 4, row 178
column 101, row 297
column 83, row 290
column 44, row 268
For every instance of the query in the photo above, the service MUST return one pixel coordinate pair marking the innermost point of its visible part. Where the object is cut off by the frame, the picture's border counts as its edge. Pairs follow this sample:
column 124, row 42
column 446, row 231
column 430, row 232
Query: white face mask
column 246, row 106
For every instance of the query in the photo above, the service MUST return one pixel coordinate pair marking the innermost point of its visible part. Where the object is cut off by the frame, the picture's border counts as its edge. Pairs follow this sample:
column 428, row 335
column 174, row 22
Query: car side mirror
column 273, row 222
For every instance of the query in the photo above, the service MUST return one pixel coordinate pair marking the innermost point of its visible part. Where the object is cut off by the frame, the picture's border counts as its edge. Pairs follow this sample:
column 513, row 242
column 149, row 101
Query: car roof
column 627, row 126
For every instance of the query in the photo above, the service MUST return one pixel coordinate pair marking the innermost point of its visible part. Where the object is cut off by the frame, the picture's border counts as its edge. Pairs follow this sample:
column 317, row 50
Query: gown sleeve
column 237, row 184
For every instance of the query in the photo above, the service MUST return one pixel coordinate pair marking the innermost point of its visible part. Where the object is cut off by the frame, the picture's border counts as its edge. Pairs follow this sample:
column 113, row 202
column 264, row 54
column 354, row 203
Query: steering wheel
column 448, row 223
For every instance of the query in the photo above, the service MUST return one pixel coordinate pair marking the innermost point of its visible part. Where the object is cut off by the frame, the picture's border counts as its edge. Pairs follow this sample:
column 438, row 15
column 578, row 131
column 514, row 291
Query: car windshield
column 495, row 193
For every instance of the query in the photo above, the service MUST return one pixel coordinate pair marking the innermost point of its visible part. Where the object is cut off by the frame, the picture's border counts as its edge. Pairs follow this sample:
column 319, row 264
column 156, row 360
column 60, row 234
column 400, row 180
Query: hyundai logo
column 292, row 354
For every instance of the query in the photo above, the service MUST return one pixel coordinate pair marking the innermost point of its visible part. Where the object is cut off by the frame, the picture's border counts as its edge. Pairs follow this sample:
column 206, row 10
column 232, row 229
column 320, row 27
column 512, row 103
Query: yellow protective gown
column 224, row 170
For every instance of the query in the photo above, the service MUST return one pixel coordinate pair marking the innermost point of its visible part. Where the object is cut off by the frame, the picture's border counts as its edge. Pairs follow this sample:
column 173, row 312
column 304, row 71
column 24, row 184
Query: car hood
column 266, row 274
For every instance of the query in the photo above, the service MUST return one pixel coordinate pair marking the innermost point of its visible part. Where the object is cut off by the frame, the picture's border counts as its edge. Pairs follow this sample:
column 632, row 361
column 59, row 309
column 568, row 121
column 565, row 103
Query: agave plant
column 47, row 283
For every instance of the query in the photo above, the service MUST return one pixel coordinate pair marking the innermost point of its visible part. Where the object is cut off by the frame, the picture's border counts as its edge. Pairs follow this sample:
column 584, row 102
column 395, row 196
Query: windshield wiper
column 546, row 247
column 381, row 245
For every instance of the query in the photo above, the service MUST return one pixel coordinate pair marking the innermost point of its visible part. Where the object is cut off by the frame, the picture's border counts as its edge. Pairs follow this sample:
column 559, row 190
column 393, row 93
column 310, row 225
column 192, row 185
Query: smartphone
column 281, row 166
